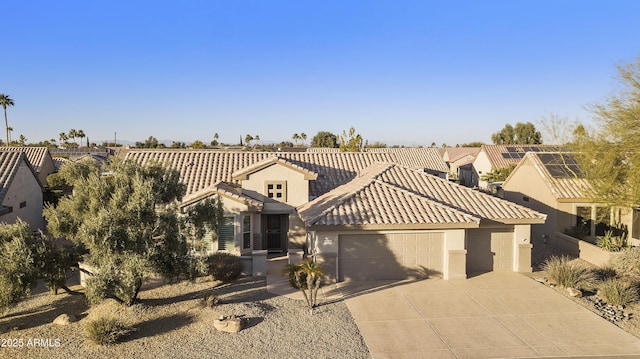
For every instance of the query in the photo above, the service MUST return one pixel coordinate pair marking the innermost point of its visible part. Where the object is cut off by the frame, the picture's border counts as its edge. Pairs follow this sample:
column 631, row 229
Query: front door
column 276, row 232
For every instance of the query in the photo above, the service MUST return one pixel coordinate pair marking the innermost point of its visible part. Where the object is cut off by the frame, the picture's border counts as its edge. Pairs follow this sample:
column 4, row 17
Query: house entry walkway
column 494, row 315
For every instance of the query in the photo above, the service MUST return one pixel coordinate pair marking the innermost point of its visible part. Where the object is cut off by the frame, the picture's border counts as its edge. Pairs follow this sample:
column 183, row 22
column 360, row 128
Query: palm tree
column 295, row 137
column 73, row 134
column 306, row 276
column 80, row 135
column 10, row 130
column 5, row 101
column 63, row 138
column 303, row 136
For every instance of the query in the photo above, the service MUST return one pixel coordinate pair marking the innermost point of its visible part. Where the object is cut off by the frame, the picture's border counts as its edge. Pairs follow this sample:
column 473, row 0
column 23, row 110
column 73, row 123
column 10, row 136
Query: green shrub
column 580, row 231
column 106, row 330
column 568, row 273
column 197, row 267
column 224, row 267
column 616, row 292
column 627, row 262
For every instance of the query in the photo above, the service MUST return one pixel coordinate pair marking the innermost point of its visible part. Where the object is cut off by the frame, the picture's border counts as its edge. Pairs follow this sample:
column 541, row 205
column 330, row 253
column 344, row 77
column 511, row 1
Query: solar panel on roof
column 560, row 165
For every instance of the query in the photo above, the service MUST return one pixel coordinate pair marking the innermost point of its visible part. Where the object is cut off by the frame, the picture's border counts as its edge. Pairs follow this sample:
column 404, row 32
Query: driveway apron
column 494, row 315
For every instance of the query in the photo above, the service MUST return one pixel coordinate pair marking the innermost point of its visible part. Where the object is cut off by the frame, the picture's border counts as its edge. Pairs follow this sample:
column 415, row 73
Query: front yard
column 172, row 321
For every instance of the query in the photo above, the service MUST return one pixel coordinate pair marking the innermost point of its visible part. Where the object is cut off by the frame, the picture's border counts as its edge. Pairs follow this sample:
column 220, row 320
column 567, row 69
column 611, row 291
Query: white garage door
column 390, row 256
column 489, row 250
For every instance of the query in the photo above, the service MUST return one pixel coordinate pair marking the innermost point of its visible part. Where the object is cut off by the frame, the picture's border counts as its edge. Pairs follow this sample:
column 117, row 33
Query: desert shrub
column 210, row 300
column 224, row 267
column 568, row 273
column 605, row 272
column 617, row 292
column 627, row 262
column 106, row 330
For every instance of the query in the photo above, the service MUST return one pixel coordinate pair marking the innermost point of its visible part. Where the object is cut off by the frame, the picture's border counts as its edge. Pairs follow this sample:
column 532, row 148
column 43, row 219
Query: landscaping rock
column 576, row 293
column 65, row 319
column 229, row 325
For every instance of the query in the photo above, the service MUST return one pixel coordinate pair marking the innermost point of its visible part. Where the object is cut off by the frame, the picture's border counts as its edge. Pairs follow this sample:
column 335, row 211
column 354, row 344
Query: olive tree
column 127, row 220
column 19, row 253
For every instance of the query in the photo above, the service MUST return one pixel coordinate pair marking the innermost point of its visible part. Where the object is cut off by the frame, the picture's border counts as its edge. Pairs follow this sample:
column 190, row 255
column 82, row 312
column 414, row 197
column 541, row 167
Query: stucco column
column 522, row 248
column 455, row 255
column 259, row 262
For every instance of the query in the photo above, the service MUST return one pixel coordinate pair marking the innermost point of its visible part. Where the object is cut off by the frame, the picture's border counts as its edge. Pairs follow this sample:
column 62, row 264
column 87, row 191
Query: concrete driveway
column 494, row 315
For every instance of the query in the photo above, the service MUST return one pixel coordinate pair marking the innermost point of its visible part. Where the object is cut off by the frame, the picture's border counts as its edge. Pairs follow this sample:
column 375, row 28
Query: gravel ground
column 172, row 321
column 543, row 251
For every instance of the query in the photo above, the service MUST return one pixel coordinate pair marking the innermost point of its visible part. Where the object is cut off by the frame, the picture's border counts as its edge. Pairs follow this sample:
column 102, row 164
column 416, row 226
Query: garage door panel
column 390, row 256
column 489, row 250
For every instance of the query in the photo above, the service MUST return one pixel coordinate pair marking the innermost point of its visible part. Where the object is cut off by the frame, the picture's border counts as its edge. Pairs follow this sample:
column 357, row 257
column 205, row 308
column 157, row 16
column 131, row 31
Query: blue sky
column 400, row 72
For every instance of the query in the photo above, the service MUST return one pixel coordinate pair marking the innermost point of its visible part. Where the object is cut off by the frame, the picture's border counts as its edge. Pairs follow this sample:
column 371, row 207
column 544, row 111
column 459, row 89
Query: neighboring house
column 39, row 158
column 314, row 201
column 493, row 157
column 459, row 160
column 74, row 154
column 20, row 190
column 425, row 159
column 553, row 183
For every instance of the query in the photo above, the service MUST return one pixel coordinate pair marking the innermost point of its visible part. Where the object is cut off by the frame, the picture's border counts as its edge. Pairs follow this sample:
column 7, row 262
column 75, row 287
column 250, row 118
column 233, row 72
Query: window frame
column 276, row 190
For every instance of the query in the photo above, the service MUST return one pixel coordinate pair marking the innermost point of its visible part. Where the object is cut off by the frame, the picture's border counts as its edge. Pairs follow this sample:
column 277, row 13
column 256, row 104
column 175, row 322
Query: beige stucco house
column 39, row 158
column 362, row 215
column 552, row 183
column 493, row 157
column 459, row 160
column 20, row 190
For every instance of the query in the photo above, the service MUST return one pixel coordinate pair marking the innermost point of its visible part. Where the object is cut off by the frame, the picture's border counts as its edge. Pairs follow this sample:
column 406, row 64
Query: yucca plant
column 612, row 242
column 306, row 276
column 617, row 292
column 568, row 273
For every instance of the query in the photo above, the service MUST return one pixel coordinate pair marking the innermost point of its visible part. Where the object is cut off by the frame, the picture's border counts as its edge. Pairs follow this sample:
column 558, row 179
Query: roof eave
column 520, row 220
column 395, row 227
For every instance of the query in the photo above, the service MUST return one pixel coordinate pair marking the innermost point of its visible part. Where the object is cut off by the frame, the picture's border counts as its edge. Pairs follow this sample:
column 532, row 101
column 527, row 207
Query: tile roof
column 456, row 153
column 225, row 189
column 203, row 168
column 244, row 172
column 572, row 186
column 9, row 163
column 416, row 157
column 36, row 155
column 389, row 194
column 501, row 156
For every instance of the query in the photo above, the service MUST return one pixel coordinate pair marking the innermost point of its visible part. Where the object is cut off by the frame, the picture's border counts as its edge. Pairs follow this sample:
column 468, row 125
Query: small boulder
column 576, row 293
column 65, row 319
column 229, row 325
